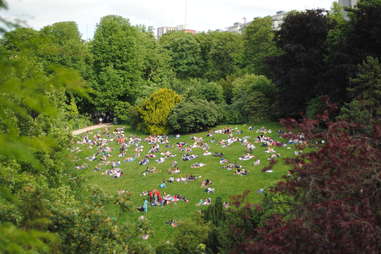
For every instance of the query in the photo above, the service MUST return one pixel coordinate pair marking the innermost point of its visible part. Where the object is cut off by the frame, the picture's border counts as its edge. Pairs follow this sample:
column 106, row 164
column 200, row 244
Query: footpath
column 90, row 128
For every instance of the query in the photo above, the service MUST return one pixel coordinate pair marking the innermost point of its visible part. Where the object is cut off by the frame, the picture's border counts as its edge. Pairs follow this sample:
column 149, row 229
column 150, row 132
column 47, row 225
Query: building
column 237, row 27
column 348, row 3
column 278, row 19
column 166, row 29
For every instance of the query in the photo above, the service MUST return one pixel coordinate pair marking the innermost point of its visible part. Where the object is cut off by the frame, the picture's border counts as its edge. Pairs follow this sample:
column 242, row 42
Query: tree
column 298, row 70
column 254, row 98
column 331, row 195
column 222, row 54
column 364, row 38
column 118, row 64
column 365, row 107
column 258, row 37
column 154, row 110
column 185, row 54
column 67, row 47
column 190, row 237
column 349, row 43
column 205, row 90
column 157, row 71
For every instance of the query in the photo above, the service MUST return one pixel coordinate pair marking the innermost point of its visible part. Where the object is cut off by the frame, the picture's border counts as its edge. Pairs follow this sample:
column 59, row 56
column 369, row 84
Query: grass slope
column 225, row 182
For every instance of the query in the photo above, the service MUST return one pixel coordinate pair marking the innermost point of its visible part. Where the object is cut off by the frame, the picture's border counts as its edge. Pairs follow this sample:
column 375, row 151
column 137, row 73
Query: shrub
column 191, row 236
column 155, row 109
column 194, row 115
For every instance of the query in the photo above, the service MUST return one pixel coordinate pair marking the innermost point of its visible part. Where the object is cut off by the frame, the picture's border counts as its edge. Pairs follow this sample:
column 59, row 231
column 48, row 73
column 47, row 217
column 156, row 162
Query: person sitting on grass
column 241, row 172
column 174, row 171
column 206, row 182
column 163, row 185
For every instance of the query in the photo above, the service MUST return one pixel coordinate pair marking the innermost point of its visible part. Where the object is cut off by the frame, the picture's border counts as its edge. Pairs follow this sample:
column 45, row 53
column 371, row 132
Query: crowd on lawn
column 158, row 152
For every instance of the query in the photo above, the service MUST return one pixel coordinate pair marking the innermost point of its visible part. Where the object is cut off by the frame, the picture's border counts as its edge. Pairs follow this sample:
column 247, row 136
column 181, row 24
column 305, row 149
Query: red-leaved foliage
column 335, row 194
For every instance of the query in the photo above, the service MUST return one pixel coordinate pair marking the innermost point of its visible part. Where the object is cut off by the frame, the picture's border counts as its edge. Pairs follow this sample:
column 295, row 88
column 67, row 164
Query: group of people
column 103, row 143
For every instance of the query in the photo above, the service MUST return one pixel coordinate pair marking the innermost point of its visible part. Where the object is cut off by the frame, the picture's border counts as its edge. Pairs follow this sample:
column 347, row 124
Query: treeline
column 258, row 75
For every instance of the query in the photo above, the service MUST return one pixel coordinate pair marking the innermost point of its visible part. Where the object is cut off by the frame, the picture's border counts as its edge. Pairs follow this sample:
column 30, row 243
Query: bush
column 154, row 111
column 194, row 115
column 190, row 237
column 166, row 249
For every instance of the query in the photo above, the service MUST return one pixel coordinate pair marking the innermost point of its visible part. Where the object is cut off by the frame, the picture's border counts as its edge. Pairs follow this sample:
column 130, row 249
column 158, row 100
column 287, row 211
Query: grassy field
column 225, row 182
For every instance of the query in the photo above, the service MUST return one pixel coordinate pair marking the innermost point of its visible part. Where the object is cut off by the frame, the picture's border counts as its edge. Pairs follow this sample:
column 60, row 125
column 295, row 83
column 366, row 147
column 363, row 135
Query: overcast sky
column 202, row 15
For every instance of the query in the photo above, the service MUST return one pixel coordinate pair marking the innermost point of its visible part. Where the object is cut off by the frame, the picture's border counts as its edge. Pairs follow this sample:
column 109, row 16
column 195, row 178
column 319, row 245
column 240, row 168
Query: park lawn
column 225, row 182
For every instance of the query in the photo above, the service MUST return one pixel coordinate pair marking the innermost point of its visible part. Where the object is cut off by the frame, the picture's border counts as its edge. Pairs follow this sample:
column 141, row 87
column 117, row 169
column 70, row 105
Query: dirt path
column 90, row 128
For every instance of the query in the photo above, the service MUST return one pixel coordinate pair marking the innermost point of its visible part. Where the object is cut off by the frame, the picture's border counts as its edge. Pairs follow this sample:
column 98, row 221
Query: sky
column 200, row 15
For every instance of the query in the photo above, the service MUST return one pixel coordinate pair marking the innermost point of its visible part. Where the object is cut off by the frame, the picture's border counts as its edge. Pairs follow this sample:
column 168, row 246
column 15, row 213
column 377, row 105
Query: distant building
column 166, row 29
column 237, row 27
column 348, row 3
column 278, row 19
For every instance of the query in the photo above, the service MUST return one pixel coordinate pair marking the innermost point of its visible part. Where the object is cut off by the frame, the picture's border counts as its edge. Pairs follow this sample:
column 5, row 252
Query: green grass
column 225, row 182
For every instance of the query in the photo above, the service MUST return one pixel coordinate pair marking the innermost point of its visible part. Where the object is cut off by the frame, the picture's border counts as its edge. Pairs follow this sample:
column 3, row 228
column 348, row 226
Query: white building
column 348, row 3
column 165, row 29
column 278, row 19
column 237, row 27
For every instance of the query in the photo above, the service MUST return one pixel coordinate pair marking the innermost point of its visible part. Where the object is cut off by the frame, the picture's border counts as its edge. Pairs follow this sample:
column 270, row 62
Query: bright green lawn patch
column 225, row 182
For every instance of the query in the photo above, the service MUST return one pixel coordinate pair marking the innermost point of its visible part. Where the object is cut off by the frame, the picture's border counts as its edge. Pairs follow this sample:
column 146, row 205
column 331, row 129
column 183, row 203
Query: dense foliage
column 254, row 98
column 154, row 111
column 194, row 115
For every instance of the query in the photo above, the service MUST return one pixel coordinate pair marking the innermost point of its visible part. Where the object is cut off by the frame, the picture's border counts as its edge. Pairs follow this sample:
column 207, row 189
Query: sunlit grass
column 225, row 182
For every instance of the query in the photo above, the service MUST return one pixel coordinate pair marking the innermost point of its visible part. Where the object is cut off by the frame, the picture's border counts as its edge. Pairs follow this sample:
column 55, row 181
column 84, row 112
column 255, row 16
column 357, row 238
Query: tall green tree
column 185, row 54
column 157, row 71
column 67, row 47
column 117, row 63
column 222, row 54
column 365, row 90
column 259, row 44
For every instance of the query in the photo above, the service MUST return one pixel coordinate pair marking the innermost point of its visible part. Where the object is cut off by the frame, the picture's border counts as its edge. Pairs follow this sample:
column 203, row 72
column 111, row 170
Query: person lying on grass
column 246, row 157
column 198, row 165
column 152, row 170
column 205, row 202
